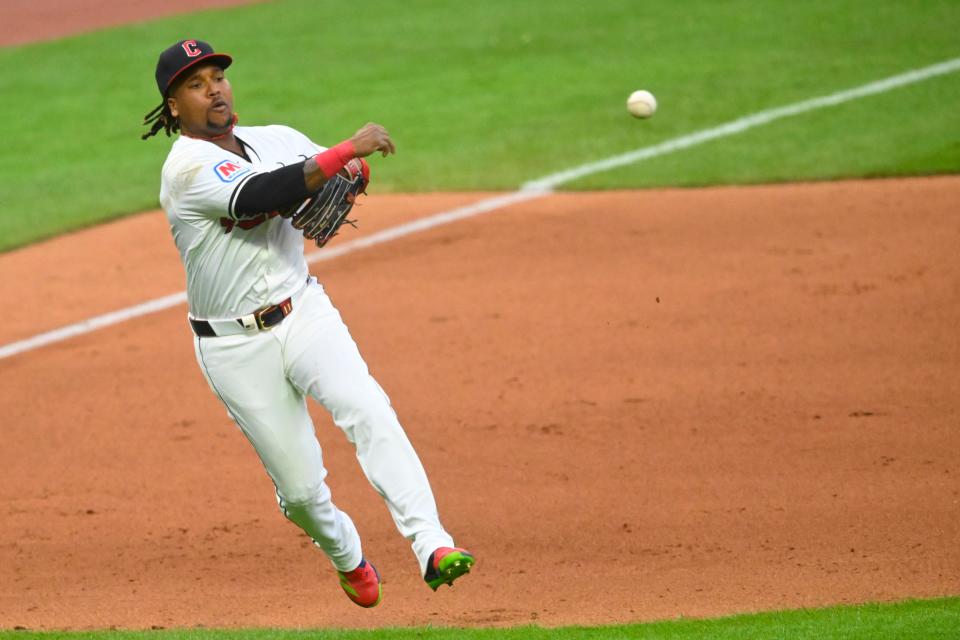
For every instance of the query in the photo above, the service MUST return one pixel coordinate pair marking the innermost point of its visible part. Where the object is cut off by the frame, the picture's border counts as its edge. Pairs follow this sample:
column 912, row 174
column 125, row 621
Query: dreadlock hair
column 160, row 118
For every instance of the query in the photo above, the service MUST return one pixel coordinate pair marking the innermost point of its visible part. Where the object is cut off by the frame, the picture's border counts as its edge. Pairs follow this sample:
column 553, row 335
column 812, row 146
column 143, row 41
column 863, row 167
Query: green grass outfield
column 938, row 619
column 489, row 95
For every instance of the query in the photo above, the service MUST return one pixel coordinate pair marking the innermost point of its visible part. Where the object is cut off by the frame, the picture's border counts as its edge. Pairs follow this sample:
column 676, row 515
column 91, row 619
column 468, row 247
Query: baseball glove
column 321, row 215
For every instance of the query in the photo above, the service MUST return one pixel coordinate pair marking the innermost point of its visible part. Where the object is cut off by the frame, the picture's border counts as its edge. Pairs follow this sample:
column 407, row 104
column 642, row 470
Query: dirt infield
column 635, row 405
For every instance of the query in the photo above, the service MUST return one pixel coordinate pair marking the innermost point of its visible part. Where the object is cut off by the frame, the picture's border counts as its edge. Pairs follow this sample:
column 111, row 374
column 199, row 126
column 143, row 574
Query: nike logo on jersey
column 228, row 170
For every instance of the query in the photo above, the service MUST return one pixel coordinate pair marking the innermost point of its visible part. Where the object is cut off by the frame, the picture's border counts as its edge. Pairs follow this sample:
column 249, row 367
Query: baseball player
column 240, row 201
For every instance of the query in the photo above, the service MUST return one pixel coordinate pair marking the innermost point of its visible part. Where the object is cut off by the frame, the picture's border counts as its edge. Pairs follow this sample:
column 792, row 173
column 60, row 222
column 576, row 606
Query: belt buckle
column 258, row 316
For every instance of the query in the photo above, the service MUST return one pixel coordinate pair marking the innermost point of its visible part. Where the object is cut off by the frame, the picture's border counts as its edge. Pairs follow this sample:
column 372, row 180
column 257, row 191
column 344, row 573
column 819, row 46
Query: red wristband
column 334, row 158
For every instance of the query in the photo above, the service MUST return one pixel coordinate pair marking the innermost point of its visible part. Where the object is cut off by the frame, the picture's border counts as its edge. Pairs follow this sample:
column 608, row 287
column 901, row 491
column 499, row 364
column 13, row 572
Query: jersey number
column 247, row 223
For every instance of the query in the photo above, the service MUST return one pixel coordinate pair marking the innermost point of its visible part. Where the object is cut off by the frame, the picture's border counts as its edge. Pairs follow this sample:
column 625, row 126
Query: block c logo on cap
column 190, row 47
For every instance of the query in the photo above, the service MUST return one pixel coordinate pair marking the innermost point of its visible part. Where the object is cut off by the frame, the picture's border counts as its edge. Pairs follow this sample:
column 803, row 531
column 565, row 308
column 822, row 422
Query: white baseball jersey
column 234, row 266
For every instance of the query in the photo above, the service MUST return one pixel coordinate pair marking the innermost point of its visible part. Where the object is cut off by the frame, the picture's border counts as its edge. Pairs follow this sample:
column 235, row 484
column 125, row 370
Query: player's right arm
column 369, row 139
column 286, row 186
column 219, row 184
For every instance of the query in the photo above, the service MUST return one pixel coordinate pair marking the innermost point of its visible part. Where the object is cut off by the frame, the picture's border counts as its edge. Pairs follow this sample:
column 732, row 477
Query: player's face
column 203, row 101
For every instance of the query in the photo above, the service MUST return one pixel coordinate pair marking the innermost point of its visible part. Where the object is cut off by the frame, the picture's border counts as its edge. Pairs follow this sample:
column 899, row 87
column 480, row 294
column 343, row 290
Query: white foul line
column 529, row 191
column 742, row 124
column 92, row 324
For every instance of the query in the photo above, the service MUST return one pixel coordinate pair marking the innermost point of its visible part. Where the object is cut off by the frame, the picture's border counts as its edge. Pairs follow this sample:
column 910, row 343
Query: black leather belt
column 264, row 319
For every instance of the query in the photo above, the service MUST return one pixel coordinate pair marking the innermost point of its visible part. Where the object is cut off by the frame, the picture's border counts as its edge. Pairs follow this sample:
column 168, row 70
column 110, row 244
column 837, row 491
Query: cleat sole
column 452, row 567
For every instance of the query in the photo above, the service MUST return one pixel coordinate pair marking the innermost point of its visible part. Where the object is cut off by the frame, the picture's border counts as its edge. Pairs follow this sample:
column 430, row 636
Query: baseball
column 641, row 104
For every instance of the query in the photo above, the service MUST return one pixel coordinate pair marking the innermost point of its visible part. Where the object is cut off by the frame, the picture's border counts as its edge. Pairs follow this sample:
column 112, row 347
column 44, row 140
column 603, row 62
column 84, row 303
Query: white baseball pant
column 263, row 378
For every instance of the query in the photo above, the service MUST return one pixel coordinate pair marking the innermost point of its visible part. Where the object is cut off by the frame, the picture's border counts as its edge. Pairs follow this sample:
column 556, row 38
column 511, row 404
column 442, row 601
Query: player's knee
column 356, row 398
column 369, row 408
column 371, row 424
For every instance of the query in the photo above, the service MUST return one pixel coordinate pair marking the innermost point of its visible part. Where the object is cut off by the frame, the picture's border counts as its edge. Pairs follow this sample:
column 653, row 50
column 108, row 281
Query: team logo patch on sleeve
column 228, row 170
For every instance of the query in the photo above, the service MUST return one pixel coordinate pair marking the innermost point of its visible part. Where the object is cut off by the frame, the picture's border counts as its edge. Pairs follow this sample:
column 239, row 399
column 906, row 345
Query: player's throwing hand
column 372, row 137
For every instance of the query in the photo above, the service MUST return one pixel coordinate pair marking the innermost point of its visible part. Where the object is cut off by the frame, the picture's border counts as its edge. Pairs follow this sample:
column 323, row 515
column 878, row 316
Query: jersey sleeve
column 208, row 186
column 298, row 142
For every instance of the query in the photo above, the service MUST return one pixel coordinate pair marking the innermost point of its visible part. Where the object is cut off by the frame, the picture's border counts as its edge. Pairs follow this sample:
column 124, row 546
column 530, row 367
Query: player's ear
column 172, row 105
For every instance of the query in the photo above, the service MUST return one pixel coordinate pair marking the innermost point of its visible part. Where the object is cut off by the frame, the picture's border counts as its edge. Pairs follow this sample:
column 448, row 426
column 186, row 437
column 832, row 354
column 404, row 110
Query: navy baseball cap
column 179, row 57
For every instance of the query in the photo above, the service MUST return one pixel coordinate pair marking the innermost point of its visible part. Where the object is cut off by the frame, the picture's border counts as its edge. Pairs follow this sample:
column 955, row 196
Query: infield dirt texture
column 715, row 401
